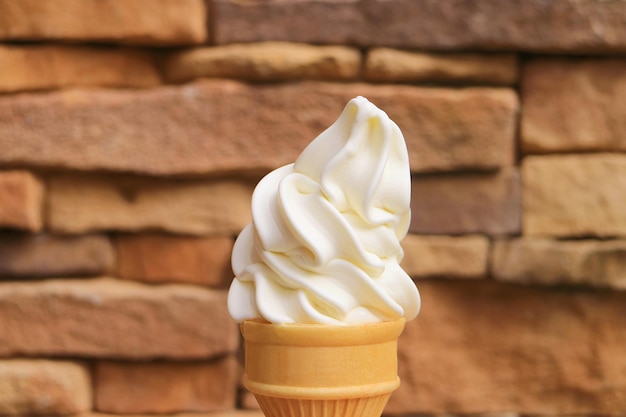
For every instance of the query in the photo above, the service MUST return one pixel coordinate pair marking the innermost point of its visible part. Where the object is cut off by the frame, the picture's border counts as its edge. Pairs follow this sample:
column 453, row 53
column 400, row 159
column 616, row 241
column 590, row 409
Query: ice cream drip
column 324, row 242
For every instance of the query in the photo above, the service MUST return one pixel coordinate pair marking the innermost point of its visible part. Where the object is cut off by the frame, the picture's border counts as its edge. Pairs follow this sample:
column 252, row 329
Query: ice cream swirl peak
column 324, row 242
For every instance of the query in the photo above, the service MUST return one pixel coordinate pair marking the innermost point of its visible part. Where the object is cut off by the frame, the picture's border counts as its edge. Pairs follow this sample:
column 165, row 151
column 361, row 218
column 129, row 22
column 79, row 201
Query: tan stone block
column 222, row 126
column 48, row 67
column 574, row 195
column 107, row 318
column 393, row 65
column 266, row 61
column 21, row 200
column 445, row 256
column 79, row 204
column 35, row 387
column 453, row 130
column 167, row 258
column 481, row 346
column 32, row 256
column 143, row 22
column 574, row 105
column 546, row 261
column 467, row 203
column 161, row 387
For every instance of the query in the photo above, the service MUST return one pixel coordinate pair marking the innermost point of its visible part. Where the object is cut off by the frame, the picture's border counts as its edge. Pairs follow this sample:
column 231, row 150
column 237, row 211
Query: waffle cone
column 300, row 370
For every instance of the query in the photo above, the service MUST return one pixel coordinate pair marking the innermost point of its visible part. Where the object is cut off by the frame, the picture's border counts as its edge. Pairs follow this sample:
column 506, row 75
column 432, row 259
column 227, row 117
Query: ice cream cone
column 300, row 370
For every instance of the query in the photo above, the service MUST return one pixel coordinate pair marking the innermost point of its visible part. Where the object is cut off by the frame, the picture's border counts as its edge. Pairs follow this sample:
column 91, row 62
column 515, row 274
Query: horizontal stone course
column 546, row 261
column 221, row 126
column 167, row 258
column 574, row 195
column 79, row 204
column 264, row 61
column 226, row 413
column 445, row 256
column 144, row 22
column 165, row 387
column 51, row 66
column 467, row 203
column 21, row 200
column 528, row 25
column 44, row 255
column 108, row 318
column 43, row 387
column 393, row 65
column 573, row 105
column 481, row 347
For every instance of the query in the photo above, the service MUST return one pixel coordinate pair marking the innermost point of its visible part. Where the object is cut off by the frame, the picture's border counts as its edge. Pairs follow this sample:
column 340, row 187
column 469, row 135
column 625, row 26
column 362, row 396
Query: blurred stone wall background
column 133, row 132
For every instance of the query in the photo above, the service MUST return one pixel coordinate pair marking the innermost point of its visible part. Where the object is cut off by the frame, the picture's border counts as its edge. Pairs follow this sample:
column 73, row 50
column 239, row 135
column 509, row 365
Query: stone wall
column 132, row 134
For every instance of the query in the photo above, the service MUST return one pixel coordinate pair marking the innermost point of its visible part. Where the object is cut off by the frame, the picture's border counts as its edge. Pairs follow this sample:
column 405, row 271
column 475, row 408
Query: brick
column 222, row 126
column 34, row 387
column 470, row 203
column 227, row 413
column 574, row 195
column 79, row 204
column 451, row 130
column 43, row 255
column 545, row 261
column 49, row 67
column 266, row 61
column 574, row 105
column 532, row 25
column 445, row 256
column 393, row 65
column 108, row 318
column 161, row 387
column 248, row 400
column 21, row 200
column 481, row 346
column 167, row 258
column 140, row 22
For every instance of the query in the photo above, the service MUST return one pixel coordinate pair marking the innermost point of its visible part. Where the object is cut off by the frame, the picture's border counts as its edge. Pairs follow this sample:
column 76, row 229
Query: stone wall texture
column 132, row 134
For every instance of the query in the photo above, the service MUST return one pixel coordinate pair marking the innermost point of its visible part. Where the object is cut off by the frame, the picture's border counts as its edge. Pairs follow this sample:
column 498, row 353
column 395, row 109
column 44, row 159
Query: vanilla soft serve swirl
column 324, row 242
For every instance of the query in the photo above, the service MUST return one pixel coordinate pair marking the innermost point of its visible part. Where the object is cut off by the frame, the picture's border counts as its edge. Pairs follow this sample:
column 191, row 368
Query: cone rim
column 304, row 334
column 321, row 393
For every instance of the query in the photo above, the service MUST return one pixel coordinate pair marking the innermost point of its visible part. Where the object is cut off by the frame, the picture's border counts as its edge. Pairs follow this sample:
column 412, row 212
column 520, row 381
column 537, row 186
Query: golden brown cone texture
column 300, row 370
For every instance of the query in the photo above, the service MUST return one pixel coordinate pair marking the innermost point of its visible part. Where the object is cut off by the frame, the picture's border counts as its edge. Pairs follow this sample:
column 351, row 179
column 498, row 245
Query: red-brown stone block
column 248, row 400
column 531, row 25
column 21, row 200
column 107, row 318
column 223, row 126
column 600, row 263
column 43, row 255
column 49, row 67
column 574, row 105
column 79, row 204
column 43, row 387
column 139, row 22
column 484, row 347
column 575, row 195
column 445, row 256
column 467, row 203
column 168, row 258
column 162, row 387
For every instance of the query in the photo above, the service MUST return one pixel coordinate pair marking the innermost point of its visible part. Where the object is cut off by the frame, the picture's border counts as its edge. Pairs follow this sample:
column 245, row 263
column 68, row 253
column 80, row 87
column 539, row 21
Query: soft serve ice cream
column 324, row 242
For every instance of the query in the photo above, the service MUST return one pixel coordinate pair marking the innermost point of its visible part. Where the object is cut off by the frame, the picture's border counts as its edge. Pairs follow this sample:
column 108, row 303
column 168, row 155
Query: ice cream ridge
column 318, row 288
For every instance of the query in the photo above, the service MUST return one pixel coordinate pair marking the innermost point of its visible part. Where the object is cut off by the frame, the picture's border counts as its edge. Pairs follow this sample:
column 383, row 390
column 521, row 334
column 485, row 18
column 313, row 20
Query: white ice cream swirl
column 324, row 242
